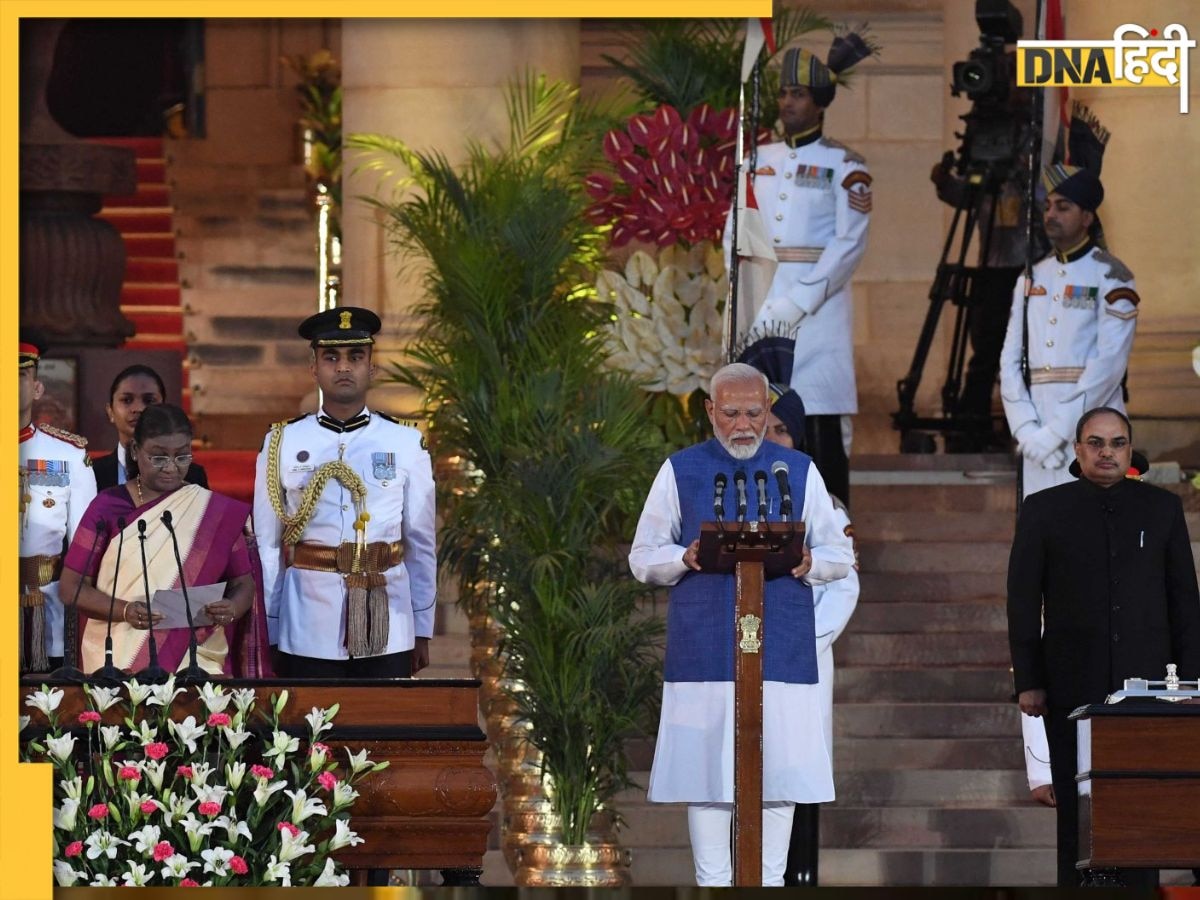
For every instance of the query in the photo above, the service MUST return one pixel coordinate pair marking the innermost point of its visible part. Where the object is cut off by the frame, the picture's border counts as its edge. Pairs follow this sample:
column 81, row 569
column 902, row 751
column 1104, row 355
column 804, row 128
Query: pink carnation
column 163, row 850
column 238, row 865
column 187, row 882
column 327, row 780
column 73, row 849
column 262, row 772
column 148, row 806
column 209, row 808
column 216, row 720
column 130, row 773
column 89, row 717
column 184, row 771
column 157, row 750
column 99, row 811
column 289, row 828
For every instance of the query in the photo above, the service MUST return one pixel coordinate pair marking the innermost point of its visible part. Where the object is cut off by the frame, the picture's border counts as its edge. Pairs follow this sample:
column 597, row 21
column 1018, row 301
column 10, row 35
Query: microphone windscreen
column 760, row 475
column 740, row 476
column 166, row 518
column 121, row 523
column 141, row 526
column 779, row 466
column 721, row 480
column 101, row 526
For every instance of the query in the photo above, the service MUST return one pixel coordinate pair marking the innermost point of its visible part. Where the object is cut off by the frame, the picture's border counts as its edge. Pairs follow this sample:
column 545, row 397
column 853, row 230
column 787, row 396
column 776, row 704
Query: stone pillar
column 72, row 264
column 435, row 84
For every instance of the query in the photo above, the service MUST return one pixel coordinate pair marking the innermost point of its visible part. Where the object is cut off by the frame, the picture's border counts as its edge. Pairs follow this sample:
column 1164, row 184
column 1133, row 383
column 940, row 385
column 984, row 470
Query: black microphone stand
column 68, row 671
column 108, row 674
column 153, row 673
column 193, row 674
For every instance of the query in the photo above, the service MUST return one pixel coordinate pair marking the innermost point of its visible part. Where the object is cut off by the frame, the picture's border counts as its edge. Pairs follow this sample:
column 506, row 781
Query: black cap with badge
column 340, row 327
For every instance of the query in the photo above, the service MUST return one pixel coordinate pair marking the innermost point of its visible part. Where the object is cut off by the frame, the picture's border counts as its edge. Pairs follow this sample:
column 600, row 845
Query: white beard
column 738, row 451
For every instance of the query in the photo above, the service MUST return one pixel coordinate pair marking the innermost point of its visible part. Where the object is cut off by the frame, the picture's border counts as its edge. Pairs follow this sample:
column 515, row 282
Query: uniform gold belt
column 799, row 254
column 375, row 557
column 38, row 571
column 1056, row 375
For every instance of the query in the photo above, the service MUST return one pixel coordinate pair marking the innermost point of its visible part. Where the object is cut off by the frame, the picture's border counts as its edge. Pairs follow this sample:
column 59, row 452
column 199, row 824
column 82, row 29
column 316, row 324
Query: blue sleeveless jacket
column 700, row 627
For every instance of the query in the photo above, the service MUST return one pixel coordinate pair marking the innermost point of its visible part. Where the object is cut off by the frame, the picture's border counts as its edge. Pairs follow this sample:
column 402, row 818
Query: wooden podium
column 1139, row 785
column 751, row 551
column 427, row 810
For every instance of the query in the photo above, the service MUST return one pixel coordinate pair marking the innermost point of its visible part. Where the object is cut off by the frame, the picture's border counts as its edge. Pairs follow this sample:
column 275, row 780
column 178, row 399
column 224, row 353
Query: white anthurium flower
column 235, row 773
column 609, row 288
column 358, row 761
column 264, row 790
column 214, row 697
column 304, row 806
column 136, row 875
column 61, row 747
column 72, row 788
column 642, row 331
column 291, row 848
column 110, row 736
column 64, row 874
column 343, row 794
column 243, row 699
column 714, row 261
column 637, row 302
column 65, row 815
column 641, row 269
column 187, row 732
column 235, row 737
column 683, row 385
column 278, row 871
column 155, row 771
column 233, row 828
column 217, row 860
column 343, row 836
column 138, row 693
column 102, row 697
column 145, row 733
column 45, row 702
column 23, row 723
column 200, row 773
column 177, row 866
column 165, row 694
column 103, row 843
column 281, row 745
column 319, row 721
column 329, row 876
column 145, row 839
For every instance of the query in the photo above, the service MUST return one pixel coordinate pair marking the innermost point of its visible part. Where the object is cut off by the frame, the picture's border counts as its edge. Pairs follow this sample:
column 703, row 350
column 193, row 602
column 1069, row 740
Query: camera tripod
column 981, row 295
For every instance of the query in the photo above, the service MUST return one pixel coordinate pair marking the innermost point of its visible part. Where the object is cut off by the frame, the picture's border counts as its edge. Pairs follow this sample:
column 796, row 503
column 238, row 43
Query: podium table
column 1139, row 785
column 427, row 810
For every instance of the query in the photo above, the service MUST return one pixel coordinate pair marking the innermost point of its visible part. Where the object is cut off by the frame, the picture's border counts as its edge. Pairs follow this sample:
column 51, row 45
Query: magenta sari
column 215, row 545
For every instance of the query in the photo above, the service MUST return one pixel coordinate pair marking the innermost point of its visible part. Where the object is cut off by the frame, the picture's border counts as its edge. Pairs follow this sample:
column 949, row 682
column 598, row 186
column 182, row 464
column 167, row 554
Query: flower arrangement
column 232, row 800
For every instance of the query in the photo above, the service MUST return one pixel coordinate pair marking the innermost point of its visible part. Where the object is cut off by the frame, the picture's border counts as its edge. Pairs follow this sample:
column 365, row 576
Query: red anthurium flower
column 617, row 145
column 642, row 130
column 667, row 117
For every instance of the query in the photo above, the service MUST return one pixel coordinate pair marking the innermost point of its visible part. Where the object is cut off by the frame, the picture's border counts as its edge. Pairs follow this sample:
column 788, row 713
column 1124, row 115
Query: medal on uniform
column 302, row 456
column 383, row 465
column 48, row 502
column 48, row 472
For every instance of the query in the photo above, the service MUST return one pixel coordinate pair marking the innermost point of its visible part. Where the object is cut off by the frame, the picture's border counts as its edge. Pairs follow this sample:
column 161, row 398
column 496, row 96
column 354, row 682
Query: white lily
column 104, row 843
column 102, row 697
column 293, row 847
column 214, row 697
column 65, row 815
column 196, row 831
column 61, row 747
column 319, row 721
column 72, row 787
column 343, row 836
column 23, row 723
column 281, row 745
column 138, row 693
column 217, row 860
column 45, row 702
column 243, row 699
column 234, row 774
column 110, row 735
column 264, row 790
column 177, row 866
column 64, row 874
column 165, row 694
column 145, row 839
column 187, row 732
column 178, row 808
column 210, row 793
column 358, row 761
column 343, row 795
column 233, row 828
column 304, row 806
column 200, row 773
column 135, row 801
column 235, row 737
column 329, row 876
column 155, row 771
column 103, row 881
column 136, row 875
column 278, row 871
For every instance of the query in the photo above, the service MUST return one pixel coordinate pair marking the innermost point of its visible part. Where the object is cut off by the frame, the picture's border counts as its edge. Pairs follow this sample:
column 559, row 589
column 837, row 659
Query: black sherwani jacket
column 105, row 468
column 1111, row 570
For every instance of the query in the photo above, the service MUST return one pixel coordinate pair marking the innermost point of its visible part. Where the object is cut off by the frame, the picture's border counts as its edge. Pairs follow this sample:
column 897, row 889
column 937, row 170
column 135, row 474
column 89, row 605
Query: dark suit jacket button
column 1116, row 638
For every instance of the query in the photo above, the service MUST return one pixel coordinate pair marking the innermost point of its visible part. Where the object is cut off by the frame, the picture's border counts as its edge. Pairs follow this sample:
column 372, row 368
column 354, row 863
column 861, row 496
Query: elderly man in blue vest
column 693, row 759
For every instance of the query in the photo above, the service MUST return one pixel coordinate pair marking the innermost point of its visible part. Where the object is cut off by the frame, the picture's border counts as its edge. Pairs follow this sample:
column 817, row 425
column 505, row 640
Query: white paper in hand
column 170, row 604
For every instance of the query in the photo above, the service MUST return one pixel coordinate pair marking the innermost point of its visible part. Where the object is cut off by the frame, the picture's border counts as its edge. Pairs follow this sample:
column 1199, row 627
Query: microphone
column 780, row 469
column 719, row 495
column 68, row 671
column 760, row 482
column 193, row 674
column 108, row 674
column 739, row 481
column 153, row 673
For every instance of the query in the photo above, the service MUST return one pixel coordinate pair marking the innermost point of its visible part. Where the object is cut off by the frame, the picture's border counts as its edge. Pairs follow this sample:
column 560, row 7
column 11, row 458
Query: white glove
column 1055, row 460
column 1039, row 445
column 778, row 310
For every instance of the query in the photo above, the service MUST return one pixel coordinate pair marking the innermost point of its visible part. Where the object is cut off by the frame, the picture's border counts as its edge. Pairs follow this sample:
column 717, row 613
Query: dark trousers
column 390, row 665
column 1064, row 752
column 823, row 442
column 801, row 869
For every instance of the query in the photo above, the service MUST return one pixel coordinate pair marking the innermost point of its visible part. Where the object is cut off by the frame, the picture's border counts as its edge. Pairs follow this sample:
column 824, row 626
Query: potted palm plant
column 555, row 448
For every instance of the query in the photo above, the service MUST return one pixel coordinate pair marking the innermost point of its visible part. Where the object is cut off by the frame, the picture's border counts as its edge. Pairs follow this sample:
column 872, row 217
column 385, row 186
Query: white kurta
column 57, row 501
column 306, row 610
column 833, row 603
column 693, row 758
column 1081, row 316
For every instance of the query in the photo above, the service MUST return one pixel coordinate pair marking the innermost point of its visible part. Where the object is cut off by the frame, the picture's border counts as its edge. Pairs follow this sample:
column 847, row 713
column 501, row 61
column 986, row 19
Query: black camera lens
column 974, row 77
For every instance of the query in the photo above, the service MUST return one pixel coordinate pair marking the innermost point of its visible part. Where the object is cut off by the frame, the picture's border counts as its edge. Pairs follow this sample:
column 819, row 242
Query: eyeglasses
column 182, row 461
column 1097, row 444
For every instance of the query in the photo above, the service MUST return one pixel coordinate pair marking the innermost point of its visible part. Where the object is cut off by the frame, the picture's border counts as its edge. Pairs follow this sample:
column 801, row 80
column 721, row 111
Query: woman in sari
column 215, row 546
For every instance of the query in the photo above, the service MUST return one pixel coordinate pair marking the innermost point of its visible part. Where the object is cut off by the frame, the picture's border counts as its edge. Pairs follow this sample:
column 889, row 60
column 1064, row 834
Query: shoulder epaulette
column 295, row 420
column 1116, row 268
column 410, row 423
column 77, row 439
column 851, row 155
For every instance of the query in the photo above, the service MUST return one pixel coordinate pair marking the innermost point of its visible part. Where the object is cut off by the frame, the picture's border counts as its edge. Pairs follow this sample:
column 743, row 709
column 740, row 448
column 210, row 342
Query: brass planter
column 529, row 824
column 573, row 865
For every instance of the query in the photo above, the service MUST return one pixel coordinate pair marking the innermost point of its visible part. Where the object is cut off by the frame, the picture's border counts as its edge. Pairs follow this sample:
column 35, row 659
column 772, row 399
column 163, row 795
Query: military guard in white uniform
column 814, row 195
column 56, row 486
column 344, row 513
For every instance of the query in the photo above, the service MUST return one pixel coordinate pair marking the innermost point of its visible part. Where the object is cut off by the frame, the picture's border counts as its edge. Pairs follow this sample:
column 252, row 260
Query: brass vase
column 573, row 865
